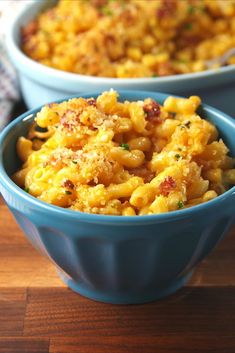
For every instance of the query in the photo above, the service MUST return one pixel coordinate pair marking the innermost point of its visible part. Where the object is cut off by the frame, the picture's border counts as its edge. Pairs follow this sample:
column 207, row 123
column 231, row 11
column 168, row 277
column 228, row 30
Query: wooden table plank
column 12, row 311
column 143, row 344
column 24, row 345
column 55, row 312
column 20, row 264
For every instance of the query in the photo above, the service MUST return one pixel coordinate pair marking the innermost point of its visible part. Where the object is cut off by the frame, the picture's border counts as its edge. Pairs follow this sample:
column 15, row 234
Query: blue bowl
column 119, row 259
column 41, row 84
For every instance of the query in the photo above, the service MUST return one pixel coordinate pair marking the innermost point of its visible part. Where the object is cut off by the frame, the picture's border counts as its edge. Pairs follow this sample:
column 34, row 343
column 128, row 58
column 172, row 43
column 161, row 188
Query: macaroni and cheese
column 131, row 38
column 123, row 158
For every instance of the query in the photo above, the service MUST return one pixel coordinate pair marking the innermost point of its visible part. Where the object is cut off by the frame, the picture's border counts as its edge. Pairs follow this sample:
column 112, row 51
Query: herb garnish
column 68, row 192
column 180, row 204
column 125, row 146
column 188, row 26
column 106, row 11
column 187, row 124
column 177, row 156
column 191, row 9
column 182, row 61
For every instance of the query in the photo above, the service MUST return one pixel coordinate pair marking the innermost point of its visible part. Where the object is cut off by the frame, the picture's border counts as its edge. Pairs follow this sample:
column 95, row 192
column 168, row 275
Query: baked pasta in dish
column 126, row 158
column 131, row 38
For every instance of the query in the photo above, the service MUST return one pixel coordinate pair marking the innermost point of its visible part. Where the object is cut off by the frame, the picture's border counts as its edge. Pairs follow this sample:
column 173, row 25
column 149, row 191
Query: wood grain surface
column 38, row 314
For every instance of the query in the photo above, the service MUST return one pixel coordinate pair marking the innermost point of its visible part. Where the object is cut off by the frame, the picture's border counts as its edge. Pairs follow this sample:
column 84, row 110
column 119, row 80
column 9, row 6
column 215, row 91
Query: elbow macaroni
column 104, row 156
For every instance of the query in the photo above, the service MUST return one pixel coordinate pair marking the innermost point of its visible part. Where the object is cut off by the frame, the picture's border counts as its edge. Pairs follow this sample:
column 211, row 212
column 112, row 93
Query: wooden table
column 38, row 314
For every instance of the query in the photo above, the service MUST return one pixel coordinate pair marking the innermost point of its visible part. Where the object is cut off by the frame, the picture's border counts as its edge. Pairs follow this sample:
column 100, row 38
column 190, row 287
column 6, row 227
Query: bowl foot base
column 125, row 298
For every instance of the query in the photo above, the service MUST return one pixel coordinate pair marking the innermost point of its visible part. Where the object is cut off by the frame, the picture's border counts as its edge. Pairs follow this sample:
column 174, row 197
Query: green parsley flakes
column 177, row 156
column 125, row 146
column 180, row 204
column 191, row 9
column 188, row 26
column 187, row 124
column 106, row 11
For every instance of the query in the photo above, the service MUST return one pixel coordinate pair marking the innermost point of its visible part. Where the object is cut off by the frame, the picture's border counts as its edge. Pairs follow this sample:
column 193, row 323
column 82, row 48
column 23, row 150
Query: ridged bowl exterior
column 119, row 259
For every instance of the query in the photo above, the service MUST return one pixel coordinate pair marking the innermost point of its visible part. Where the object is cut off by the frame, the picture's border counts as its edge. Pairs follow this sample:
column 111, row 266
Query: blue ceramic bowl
column 113, row 258
column 41, row 84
